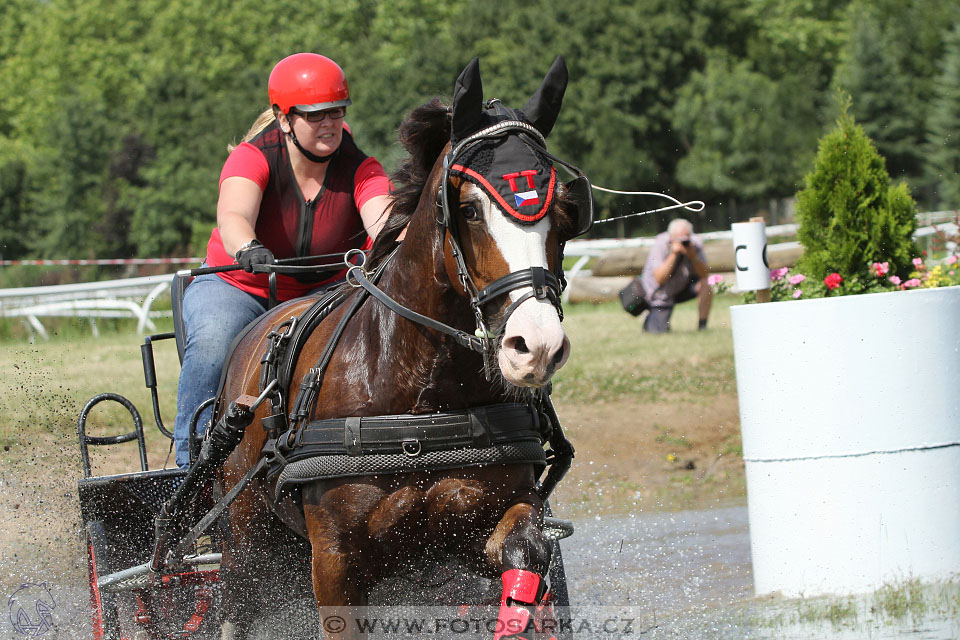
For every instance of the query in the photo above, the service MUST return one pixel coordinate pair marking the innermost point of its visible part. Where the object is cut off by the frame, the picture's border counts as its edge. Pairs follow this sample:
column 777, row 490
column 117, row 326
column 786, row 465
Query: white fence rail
column 134, row 297
column 128, row 298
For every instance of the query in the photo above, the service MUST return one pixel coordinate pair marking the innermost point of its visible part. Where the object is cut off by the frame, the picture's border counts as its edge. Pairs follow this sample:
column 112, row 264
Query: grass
column 899, row 601
column 910, row 602
column 677, row 441
column 613, row 358
column 45, row 385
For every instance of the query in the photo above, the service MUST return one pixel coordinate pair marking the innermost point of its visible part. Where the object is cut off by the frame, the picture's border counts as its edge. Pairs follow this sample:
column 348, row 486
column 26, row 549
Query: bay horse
column 465, row 313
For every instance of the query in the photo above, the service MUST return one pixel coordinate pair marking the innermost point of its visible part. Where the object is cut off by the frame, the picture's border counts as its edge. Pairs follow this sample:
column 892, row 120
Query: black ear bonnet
column 503, row 150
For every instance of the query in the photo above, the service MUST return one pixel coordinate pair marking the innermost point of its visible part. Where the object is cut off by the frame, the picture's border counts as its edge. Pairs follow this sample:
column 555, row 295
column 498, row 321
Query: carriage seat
column 177, row 289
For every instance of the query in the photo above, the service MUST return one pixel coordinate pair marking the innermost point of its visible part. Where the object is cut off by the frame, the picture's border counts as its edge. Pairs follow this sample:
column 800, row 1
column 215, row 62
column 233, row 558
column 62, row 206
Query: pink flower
column 951, row 260
column 833, row 281
column 797, row 279
column 776, row 274
column 714, row 279
column 910, row 284
column 797, row 293
column 894, row 280
column 880, row 268
column 918, row 263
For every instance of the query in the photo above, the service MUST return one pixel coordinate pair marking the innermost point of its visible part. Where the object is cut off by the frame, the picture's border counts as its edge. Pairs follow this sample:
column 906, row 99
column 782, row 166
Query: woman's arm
column 237, row 211
column 374, row 213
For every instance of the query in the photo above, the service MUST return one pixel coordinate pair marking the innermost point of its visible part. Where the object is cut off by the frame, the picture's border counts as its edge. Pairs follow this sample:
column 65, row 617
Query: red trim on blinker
column 506, row 207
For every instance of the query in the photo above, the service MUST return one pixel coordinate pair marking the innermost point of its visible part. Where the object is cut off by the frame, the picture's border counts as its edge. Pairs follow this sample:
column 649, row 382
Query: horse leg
column 336, row 520
column 521, row 550
column 259, row 570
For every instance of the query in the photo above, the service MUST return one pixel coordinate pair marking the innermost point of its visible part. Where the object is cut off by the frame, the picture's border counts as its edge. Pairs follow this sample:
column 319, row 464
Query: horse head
column 507, row 215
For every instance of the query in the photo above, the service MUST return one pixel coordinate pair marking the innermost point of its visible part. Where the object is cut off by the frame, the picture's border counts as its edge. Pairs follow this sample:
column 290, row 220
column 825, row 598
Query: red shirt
column 290, row 226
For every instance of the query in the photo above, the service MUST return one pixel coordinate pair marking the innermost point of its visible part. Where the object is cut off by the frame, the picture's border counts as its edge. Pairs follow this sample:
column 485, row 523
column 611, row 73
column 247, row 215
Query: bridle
column 543, row 283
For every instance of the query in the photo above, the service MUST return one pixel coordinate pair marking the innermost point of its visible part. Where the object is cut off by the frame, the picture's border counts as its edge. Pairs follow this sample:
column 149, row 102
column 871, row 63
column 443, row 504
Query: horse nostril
column 518, row 344
column 559, row 356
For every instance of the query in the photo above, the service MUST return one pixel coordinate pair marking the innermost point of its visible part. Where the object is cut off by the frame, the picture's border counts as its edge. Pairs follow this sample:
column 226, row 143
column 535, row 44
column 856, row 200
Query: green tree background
column 115, row 114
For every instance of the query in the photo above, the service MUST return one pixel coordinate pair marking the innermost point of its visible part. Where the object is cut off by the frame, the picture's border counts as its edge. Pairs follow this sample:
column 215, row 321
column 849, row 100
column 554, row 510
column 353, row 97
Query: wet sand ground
column 672, row 575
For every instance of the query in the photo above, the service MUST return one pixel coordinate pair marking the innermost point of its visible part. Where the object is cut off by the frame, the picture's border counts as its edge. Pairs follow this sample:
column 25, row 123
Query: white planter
column 850, row 415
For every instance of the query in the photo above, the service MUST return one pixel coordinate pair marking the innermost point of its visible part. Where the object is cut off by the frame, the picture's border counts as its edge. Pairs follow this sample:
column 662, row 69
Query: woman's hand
column 254, row 253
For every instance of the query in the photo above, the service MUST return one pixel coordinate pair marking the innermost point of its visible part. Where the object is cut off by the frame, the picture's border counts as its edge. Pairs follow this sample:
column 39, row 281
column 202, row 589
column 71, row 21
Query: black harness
column 344, row 436
column 343, row 447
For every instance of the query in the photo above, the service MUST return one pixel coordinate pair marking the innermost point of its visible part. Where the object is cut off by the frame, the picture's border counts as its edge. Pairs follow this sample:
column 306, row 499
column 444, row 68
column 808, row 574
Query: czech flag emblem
column 526, row 198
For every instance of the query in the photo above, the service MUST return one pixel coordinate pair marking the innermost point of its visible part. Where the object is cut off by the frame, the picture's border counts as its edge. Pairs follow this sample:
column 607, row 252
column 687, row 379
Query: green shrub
column 849, row 215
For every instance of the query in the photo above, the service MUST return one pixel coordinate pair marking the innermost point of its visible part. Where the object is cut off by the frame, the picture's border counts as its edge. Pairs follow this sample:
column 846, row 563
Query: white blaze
column 534, row 344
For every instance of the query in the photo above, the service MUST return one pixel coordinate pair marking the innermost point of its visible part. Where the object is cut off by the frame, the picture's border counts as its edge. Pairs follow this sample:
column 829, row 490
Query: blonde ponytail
column 262, row 122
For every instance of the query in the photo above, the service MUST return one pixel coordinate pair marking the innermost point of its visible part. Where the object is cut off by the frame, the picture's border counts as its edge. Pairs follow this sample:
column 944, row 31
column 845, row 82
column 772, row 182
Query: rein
column 356, row 277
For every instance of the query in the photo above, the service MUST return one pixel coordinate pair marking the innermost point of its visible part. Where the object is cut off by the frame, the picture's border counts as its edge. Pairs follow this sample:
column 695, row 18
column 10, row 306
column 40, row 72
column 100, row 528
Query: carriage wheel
column 558, row 596
column 558, row 578
column 103, row 606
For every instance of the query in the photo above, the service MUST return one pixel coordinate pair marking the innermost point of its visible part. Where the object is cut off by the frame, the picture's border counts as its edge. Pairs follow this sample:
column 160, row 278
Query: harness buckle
column 290, row 324
column 538, row 279
column 411, row 448
column 353, row 268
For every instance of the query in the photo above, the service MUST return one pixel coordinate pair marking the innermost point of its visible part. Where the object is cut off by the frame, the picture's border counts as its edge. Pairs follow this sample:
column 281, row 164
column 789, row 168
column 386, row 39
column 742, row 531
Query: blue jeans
column 214, row 312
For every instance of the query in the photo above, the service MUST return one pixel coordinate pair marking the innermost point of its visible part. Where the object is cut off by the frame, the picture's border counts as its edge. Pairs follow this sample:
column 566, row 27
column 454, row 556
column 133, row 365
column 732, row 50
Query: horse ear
column 467, row 102
column 544, row 106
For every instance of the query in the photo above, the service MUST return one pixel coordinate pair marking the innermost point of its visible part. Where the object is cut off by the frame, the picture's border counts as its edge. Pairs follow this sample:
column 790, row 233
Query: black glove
column 254, row 253
column 238, row 417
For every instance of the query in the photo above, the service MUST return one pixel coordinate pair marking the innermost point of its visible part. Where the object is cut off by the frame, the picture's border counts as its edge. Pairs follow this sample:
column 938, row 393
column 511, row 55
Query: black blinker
column 581, row 195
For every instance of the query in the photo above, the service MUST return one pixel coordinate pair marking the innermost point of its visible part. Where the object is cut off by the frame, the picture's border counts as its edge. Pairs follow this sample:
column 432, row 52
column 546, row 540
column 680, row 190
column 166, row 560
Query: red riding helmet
column 309, row 82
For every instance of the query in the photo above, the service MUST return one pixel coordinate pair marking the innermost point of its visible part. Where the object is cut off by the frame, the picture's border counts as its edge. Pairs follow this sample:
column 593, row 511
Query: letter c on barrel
column 736, row 257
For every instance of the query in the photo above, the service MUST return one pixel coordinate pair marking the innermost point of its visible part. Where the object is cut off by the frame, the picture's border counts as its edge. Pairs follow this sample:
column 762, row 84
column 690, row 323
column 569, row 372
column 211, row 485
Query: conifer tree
column 943, row 160
column 849, row 214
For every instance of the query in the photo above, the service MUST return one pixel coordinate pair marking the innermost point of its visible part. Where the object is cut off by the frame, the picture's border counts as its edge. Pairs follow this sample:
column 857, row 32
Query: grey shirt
column 663, row 295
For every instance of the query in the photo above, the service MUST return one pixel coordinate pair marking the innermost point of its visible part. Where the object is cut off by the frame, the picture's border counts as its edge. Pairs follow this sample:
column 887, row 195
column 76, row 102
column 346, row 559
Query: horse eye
column 469, row 211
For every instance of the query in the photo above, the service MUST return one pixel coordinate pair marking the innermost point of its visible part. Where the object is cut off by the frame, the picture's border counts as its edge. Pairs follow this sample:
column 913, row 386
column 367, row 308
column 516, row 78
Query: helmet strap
column 312, row 157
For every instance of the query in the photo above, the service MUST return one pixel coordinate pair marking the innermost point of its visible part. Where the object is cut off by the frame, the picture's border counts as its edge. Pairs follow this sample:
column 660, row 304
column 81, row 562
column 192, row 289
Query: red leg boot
column 520, row 595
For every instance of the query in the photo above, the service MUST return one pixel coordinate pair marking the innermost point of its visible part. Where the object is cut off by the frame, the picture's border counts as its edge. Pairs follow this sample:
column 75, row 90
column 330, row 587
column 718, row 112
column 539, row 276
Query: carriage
column 167, row 548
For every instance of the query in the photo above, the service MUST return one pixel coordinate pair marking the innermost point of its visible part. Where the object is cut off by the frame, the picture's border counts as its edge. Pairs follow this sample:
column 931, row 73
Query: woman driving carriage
column 296, row 186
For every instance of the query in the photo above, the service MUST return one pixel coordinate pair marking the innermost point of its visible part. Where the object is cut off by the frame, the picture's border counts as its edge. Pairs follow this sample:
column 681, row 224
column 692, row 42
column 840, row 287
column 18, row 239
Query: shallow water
column 647, row 575
column 688, row 575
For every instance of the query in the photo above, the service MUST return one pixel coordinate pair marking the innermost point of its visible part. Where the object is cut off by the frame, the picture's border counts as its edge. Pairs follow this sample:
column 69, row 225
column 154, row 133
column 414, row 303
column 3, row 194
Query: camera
column 685, row 243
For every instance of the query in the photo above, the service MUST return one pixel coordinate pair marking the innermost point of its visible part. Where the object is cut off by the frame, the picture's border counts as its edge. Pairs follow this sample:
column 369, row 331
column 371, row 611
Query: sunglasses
column 319, row 116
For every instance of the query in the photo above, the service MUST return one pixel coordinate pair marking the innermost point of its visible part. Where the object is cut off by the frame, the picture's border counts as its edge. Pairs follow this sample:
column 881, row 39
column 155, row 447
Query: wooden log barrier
column 630, row 261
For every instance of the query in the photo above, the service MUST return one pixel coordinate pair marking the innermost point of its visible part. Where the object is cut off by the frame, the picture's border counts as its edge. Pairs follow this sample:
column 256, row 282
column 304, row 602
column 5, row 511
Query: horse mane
column 424, row 134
